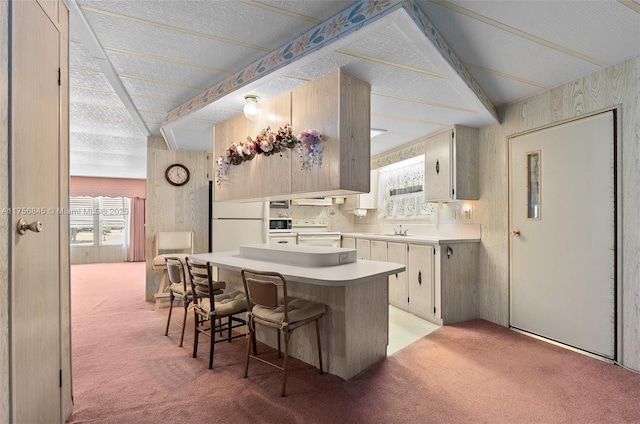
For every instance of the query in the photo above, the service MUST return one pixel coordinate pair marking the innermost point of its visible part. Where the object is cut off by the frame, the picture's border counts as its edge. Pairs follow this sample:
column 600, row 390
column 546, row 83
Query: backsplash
column 337, row 219
column 442, row 218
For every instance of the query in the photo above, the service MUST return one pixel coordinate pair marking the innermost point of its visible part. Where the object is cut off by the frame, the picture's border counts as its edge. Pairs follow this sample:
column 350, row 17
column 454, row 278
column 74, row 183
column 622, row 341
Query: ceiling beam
column 97, row 52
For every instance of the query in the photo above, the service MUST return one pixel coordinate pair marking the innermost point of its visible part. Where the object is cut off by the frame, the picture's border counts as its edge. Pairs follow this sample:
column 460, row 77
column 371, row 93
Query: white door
column 35, row 259
column 562, row 214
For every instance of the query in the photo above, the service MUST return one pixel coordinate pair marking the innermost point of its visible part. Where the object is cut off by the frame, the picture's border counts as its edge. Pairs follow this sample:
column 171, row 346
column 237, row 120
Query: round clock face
column 177, row 174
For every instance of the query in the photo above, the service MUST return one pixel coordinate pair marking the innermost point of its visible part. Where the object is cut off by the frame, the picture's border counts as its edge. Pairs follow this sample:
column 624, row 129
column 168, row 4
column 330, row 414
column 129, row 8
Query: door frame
column 618, row 233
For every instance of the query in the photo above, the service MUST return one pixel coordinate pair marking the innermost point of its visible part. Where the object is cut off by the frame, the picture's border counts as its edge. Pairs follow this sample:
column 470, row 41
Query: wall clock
column 177, row 174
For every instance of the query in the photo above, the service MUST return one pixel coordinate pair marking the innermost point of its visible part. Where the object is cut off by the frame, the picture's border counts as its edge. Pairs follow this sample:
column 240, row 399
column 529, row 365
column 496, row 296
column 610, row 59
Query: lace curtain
column 401, row 190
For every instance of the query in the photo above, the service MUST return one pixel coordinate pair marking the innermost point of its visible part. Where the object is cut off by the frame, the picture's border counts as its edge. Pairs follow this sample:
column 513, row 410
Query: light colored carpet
column 126, row 371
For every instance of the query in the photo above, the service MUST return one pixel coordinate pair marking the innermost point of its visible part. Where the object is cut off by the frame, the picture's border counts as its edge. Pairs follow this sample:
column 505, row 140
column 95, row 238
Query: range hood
column 314, row 201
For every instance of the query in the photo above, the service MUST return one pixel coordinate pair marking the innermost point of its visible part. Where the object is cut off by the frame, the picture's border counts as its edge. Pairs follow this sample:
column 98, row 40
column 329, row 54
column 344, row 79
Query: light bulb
column 251, row 110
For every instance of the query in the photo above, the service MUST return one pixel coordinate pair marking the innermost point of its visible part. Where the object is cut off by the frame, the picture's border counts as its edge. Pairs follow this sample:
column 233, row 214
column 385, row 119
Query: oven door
column 319, row 240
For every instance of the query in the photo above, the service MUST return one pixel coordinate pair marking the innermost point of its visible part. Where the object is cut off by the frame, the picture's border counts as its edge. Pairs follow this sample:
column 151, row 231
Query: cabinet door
column 398, row 293
column 370, row 200
column 289, row 239
column 438, row 167
column 378, row 250
column 349, row 242
column 420, row 271
column 274, row 172
column 364, row 248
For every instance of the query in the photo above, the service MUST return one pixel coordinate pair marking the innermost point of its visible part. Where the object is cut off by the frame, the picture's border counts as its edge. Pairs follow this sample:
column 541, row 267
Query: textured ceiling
column 133, row 62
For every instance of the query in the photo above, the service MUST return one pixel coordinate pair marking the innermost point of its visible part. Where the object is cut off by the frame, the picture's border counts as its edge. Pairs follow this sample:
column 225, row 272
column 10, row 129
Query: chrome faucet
column 399, row 232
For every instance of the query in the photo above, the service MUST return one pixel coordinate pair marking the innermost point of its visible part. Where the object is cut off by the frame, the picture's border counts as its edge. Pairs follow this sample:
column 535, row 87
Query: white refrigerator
column 235, row 224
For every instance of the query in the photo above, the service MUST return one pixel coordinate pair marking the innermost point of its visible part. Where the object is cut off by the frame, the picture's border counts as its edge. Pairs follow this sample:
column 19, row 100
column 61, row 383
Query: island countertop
column 338, row 275
column 355, row 327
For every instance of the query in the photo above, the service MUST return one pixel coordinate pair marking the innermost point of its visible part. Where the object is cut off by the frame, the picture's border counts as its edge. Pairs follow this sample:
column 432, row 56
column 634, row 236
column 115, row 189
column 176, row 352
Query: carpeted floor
column 126, row 371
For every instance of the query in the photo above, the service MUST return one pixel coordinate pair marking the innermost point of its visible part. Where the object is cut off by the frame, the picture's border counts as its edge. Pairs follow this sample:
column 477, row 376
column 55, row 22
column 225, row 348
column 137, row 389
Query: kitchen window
column 401, row 189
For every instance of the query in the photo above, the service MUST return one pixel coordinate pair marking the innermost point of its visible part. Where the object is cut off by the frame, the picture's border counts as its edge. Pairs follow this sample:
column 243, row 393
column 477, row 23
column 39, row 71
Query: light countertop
column 338, row 275
column 414, row 238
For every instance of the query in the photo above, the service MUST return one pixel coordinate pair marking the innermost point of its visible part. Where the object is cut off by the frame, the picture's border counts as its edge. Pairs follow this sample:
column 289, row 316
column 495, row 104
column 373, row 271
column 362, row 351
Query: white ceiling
column 133, row 62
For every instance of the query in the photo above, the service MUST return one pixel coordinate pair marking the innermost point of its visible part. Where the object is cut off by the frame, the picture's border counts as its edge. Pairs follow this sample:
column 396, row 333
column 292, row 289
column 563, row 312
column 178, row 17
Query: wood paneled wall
column 616, row 86
column 4, row 219
column 170, row 208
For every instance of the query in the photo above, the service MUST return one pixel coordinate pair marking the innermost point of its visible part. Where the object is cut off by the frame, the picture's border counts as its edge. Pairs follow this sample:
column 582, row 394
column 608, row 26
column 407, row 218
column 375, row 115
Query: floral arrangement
column 269, row 142
column 310, row 149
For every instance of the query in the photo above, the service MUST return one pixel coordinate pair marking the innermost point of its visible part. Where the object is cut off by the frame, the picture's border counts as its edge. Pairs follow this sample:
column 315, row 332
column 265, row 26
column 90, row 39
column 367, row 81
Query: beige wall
column 170, row 208
column 619, row 86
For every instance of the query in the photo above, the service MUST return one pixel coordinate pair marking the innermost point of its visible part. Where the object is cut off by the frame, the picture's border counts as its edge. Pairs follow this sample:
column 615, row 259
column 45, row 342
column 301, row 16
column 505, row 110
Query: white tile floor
column 406, row 328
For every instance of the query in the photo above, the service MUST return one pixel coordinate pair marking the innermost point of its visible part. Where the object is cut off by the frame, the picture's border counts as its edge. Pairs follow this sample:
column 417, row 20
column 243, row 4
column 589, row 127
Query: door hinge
column 59, row 78
column 60, row 378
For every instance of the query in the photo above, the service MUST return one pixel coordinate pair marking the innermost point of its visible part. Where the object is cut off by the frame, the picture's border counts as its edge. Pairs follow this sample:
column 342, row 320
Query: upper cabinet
column 365, row 200
column 451, row 165
column 338, row 106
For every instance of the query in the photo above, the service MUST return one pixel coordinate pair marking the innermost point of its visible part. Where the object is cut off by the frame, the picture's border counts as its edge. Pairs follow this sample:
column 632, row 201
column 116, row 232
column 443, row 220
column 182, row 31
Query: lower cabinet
column 364, row 249
column 379, row 251
column 414, row 289
column 439, row 283
column 349, row 242
column 283, row 239
column 398, row 290
column 420, row 280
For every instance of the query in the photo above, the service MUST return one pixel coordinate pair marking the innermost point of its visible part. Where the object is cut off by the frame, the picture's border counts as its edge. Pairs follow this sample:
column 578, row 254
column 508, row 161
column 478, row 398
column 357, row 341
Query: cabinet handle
column 420, row 277
column 283, row 241
column 437, row 167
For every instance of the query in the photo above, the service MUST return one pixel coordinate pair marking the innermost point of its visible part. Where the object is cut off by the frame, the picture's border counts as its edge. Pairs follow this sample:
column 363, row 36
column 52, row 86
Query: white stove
column 315, row 232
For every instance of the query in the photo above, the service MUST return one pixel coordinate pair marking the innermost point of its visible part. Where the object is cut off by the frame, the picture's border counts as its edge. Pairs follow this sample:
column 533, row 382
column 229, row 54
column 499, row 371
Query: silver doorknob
column 24, row 226
column 515, row 233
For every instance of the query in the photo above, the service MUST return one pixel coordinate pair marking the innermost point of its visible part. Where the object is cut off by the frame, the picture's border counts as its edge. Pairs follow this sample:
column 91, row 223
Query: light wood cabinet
column 272, row 172
column 364, row 200
column 414, row 289
column 270, row 175
column 451, row 165
column 378, row 251
column 398, row 290
column 439, row 283
column 338, row 106
column 421, row 281
column 364, row 249
column 349, row 242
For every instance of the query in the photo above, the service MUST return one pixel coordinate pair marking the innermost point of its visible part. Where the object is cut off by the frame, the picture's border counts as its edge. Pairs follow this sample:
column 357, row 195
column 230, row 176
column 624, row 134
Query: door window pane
column 533, row 185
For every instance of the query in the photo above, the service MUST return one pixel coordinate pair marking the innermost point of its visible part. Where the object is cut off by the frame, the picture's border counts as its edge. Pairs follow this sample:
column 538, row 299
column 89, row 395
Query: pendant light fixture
column 251, row 110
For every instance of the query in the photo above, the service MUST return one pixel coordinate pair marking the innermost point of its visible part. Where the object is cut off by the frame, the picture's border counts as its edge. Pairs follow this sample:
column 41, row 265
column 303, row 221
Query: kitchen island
column 354, row 330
